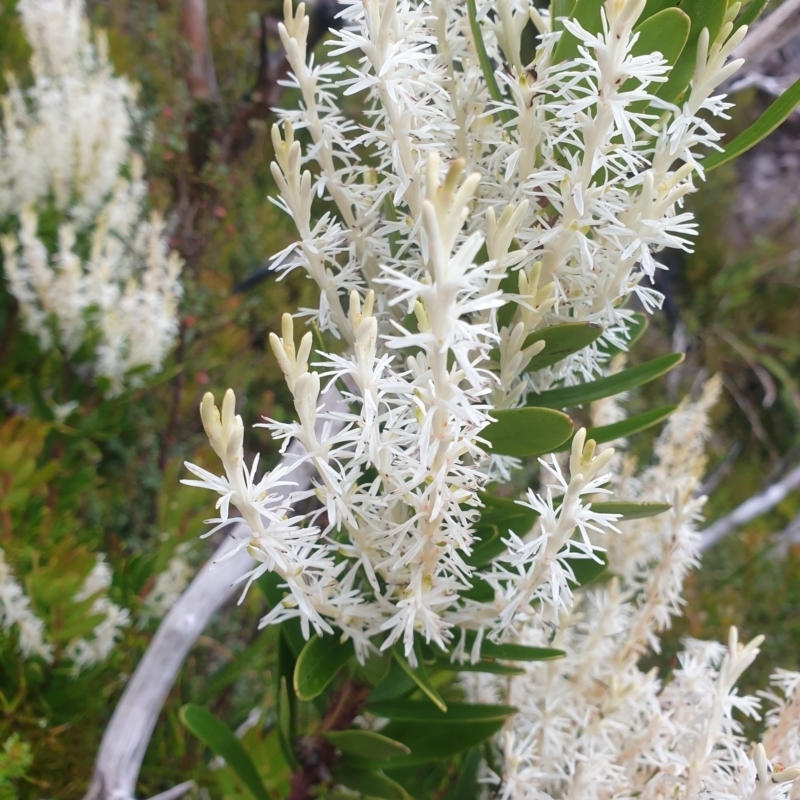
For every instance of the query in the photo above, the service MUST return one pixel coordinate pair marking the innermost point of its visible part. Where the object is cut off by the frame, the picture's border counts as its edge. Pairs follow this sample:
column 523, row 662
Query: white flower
column 66, row 140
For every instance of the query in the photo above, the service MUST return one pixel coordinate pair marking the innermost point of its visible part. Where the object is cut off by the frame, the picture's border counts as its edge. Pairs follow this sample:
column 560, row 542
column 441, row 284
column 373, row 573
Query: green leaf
column 703, row 14
column 608, row 386
column 773, row 117
column 586, row 570
column 431, row 741
column 419, row 675
column 370, row 784
column 498, row 516
column 397, row 683
column 318, row 663
column 467, row 786
column 561, row 341
column 269, row 584
column 519, row 652
column 637, row 326
column 366, row 744
column 285, row 724
column 486, row 64
column 665, row 32
column 417, row 711
column 488, row 545
column 654, row 6
column 751, row 13
column 587, row 13
column 481, row 592
column 560, row 9
column 375, row 670
column 527, row 431
column 631, row 510
column 491, row 667
column 222, row 741
column 625, row 427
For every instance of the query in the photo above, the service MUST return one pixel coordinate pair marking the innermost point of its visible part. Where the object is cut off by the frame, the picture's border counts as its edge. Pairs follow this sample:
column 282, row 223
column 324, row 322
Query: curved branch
column 128, row 733
column 753, row 507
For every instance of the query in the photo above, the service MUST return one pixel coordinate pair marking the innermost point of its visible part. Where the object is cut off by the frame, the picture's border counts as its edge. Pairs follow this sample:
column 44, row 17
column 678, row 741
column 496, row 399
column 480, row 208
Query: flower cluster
column 104, row 276
column 461, row 220
column 15, row 611
column 594, row 725
column 86, row 652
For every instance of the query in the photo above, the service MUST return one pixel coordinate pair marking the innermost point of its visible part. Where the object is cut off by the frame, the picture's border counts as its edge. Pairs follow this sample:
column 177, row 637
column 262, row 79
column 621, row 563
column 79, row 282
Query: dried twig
column 753, row 507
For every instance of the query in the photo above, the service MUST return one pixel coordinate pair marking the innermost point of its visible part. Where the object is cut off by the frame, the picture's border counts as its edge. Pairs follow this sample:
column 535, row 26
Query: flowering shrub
column 475, row 237
column 91, row 275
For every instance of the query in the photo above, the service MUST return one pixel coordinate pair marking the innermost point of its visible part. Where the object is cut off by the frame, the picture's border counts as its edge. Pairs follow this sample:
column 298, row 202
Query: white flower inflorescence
column 468, row 207
column 15, row 611
column 102, row 271
column 458, row 225
column 86, row 652
column 594, row 725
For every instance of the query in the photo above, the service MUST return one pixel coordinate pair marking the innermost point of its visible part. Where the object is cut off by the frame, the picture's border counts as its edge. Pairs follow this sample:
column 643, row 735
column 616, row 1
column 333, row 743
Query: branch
column 769, row 34
column 128, row 733
column 754, row 507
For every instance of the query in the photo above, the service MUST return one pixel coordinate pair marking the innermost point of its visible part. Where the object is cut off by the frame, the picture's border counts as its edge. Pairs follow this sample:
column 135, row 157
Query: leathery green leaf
column 608, row 386
column 370, row 784
column 625, row 427
column 628, row 511
column 366, row 744
column 774, row 116
column 417, row 711
column 527, row 431
column 708, row 14
column 419, row 675
column 318, row 663
column 222, row 741
column 561, row 341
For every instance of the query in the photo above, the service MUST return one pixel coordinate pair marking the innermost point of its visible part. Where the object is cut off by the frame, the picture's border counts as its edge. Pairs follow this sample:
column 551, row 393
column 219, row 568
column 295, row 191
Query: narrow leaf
column 222, row 741
column 318, row 663
column 270, row 585
column 467, row 786
column 397, row 683
column 486, row 64
column 527, row 431
column 370, row 784
column 366, row 744
column 519, row 652
column 419, row 675
column 626, row 427
column 285, row 724
column 631, row 510
column 490, row 667
column 608, row 386
column 417, row 711
column 751, row 13
column 637, row 325
column 586, row 570
column 561, row 341
column 703, row 14
column 587, row 13
column 772, row 118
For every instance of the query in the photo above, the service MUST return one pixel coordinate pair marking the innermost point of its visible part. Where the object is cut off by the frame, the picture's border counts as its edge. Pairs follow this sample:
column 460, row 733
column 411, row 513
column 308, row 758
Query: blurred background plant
column 96, row 532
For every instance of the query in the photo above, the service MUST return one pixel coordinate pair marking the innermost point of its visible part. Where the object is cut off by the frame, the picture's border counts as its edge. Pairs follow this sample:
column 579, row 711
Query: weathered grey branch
column 175, row 792
column 753, row 507
column 769, row 35
column 128, row 733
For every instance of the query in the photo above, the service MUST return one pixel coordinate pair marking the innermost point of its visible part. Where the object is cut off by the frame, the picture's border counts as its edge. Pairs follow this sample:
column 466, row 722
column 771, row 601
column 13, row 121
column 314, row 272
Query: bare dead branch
column 755, row 506
column 175, row 792
column 769, row 35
